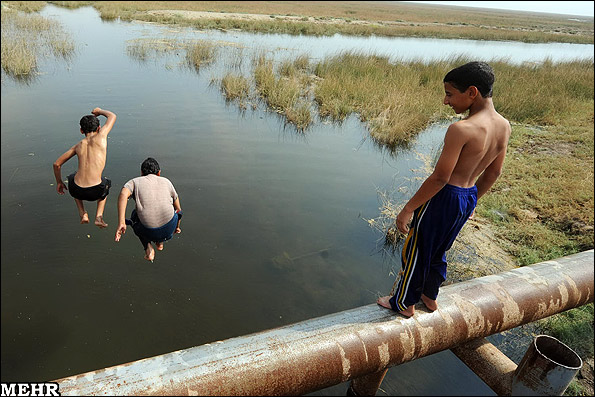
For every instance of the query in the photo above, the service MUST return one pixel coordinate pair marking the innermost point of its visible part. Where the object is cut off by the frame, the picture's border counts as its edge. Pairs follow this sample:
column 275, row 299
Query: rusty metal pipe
column 488, row 363
column 325, row 351
column 547, row 368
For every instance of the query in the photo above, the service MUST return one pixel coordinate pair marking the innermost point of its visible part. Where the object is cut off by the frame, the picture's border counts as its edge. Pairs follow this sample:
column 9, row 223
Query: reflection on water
column 274, row 226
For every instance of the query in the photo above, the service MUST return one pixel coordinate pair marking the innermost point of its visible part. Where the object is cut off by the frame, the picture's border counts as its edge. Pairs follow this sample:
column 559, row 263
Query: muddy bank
column 476, row 253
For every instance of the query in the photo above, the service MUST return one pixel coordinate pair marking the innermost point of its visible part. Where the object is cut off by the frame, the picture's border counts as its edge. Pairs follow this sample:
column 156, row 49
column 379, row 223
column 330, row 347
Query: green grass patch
column 542, row 205
column 574, row 328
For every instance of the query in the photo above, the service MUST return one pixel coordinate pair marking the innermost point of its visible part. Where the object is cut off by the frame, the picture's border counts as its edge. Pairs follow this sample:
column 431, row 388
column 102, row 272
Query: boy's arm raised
column 454, row 140
column 111, row 119
column 60, row 186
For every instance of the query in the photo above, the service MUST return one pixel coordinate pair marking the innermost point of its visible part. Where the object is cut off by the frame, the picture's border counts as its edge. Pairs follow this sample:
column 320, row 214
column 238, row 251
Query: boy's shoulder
column 462, row 127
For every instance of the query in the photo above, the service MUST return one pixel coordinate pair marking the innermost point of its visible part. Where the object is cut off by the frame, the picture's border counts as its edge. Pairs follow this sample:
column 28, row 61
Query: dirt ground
column 476, row 253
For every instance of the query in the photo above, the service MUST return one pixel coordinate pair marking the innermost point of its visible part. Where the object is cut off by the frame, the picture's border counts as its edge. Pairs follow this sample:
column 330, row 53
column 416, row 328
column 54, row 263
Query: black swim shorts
column 92, row 193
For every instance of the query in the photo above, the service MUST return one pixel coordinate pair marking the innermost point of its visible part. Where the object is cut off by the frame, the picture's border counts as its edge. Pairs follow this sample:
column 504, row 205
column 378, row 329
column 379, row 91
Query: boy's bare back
column 91, row 152
column 88, row 183
column 485, row 135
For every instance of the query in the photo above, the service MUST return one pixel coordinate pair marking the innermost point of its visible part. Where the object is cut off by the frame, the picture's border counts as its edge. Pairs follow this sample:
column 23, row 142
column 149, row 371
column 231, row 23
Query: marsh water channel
column 274, row 228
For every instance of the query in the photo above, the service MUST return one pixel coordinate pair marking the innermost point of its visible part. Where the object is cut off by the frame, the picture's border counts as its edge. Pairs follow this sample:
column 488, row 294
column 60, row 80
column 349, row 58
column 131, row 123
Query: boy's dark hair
column 478, row 74
column 89, row 123
column 149, row 166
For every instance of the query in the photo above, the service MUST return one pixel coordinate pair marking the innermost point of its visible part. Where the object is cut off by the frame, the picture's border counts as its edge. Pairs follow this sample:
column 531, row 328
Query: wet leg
column 82, row 213
column 99, row 215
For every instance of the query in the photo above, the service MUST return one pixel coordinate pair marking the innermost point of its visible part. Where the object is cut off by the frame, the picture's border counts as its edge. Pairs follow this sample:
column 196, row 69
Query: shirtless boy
column 471, row 160
column 87, row 183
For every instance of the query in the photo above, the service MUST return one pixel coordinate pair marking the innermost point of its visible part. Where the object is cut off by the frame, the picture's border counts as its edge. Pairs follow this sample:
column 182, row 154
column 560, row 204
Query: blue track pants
column 434, row 228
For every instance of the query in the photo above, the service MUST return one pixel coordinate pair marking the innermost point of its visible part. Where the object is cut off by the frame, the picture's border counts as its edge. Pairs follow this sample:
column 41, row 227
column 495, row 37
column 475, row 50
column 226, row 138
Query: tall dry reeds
column 26, row 37
column 236, row 88
column 200, row 53
column 284, row 94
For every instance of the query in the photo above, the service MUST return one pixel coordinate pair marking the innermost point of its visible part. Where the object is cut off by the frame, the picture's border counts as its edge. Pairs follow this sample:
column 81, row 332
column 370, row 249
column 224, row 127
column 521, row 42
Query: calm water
column 254, row 194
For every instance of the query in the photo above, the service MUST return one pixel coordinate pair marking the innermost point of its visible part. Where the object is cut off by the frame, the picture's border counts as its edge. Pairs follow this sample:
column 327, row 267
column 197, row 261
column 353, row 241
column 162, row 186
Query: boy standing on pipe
column 471, row 160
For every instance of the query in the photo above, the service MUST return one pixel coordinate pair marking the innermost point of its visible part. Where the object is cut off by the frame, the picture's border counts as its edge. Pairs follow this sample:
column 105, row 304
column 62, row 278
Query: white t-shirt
column 154, row 196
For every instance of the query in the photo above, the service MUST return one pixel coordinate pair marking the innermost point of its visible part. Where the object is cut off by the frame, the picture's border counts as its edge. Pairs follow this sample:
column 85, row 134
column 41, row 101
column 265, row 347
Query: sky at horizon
column 582, row 8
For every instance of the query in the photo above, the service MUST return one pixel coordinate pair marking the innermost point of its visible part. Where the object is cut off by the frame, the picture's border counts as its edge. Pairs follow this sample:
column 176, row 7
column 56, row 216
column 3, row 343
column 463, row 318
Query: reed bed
column 395, row 99
column 284, row 94
column 72, row 4
column 25, row 6
column 201, row 53
column 145, row 48
column 235, row 87
column 28, row 37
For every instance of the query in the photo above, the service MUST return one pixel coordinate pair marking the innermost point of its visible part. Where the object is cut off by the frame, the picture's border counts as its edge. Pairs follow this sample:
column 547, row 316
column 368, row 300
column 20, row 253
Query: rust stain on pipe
column 314, row 354
column 490, row 364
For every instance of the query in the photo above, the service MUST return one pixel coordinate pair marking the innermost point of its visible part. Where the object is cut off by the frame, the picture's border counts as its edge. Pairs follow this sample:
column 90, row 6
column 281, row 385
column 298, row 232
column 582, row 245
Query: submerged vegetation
column 235, row 87
column 200, row 53
column 284, row 92
column 28, row 37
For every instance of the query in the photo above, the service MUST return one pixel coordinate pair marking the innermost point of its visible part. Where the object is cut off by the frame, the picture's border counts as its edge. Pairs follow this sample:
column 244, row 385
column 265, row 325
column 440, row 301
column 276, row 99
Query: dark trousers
column 157, row 234
column 434, row 228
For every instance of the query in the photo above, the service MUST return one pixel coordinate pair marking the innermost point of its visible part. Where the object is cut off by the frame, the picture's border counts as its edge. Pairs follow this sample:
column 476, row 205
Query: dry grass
column 359, row 18
column 396, row 100
column 26, row 38
column 145, row 48
column 25, row 6
column 543, row 203
column 201, row 53
column 235, row 87
column 286, row 95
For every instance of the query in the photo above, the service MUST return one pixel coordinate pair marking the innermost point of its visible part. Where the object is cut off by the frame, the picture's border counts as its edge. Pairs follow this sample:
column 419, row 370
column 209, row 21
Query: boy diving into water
column 87, row 183
column 158, row 213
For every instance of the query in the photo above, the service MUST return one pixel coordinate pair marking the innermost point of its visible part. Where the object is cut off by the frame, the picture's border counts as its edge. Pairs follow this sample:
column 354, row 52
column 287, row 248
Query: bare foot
column 384, row 302
column 84, row 218
column 430, row 303
column 150, row 253
column 410, row 311
column 100, row 223
column 159, row 246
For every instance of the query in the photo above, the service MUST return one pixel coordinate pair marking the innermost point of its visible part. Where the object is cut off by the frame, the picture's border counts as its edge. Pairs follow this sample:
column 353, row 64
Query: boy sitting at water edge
column 87, row 183
column 158, row 212
column 471, row 160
